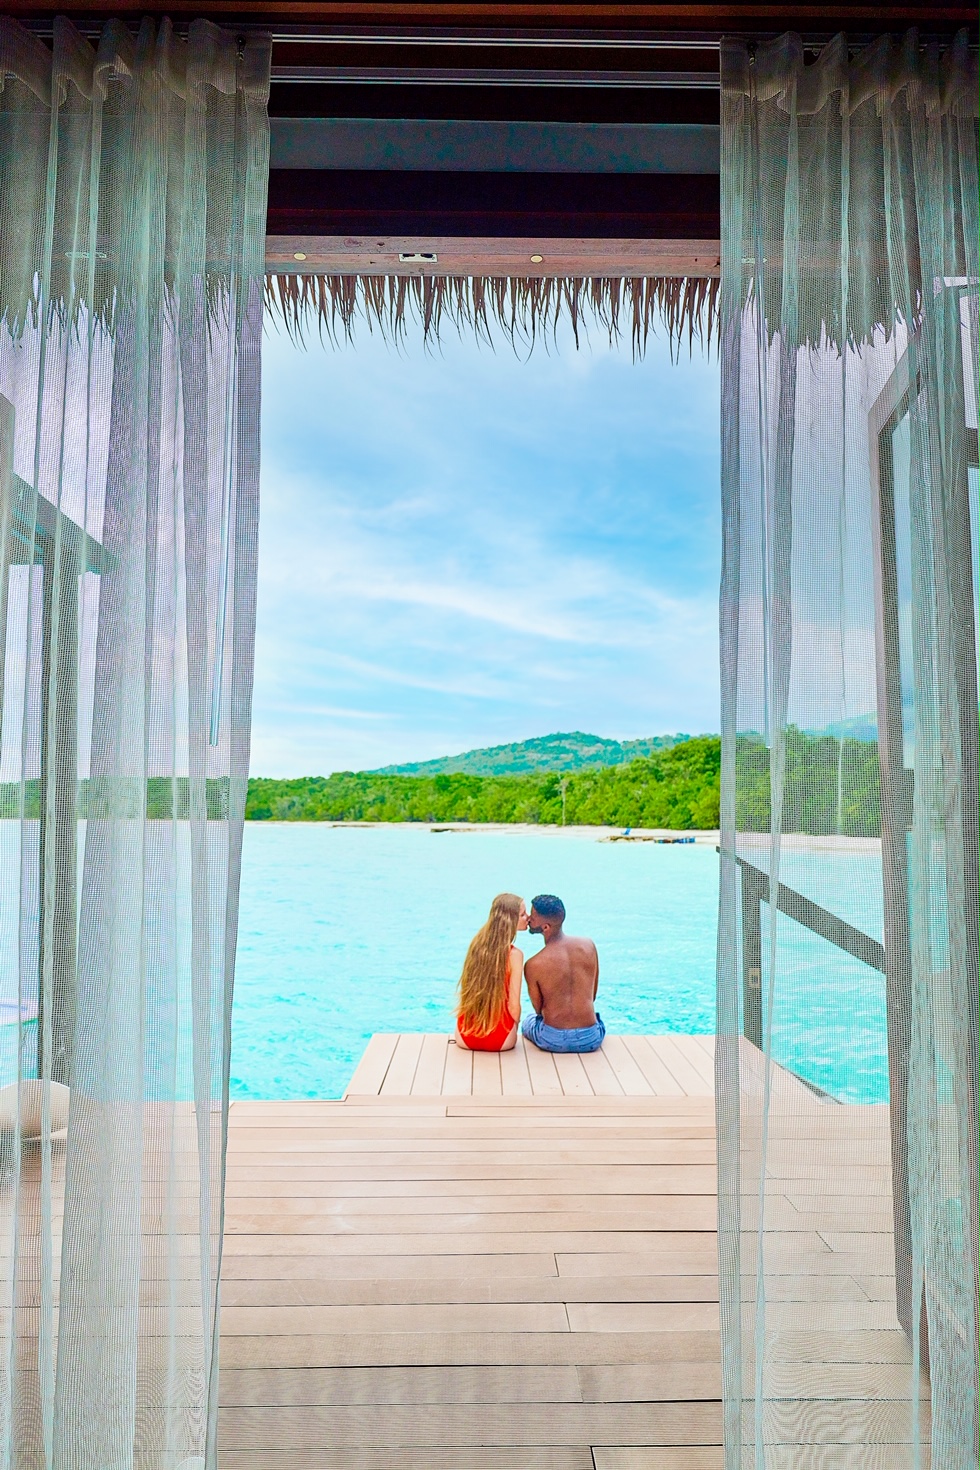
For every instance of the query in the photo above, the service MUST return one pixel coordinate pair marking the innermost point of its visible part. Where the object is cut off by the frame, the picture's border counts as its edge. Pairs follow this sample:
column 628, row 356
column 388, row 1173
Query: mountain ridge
column 569, row 750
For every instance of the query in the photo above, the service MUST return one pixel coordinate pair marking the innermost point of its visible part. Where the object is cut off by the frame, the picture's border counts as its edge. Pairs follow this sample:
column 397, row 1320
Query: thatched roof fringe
column 522, row 309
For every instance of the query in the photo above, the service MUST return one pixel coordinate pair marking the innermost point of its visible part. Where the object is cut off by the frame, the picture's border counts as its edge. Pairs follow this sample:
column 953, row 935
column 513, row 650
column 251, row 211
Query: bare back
column 562, row 982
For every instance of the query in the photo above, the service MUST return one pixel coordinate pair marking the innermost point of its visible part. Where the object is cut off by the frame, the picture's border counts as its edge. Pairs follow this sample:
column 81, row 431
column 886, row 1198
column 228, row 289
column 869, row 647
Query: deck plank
column 515, row 1080
column 482, row 1317
column 453, row 1283
column 707, row 1045
column 620, row 1058
column 509, row 1384
column 654, row 1179
column 370, row 1071
column 478, row 1216
column 678, row 1143
column 486, row 1074
column 457, row 1079
column 695, row 1080
column 654, row 1067
column 396, row 1426
column 430, row 1457
column 701, row 1058
column 435, row 1349
column 659, row 1457
column 401, row 1070
column 480, row 1163
column 601, row 1075
column 543, row 1073
column 431, row 1066
column 572, row 1075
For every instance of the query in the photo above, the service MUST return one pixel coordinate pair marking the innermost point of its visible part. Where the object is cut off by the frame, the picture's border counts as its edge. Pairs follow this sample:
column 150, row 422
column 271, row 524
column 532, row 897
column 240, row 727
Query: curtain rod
column 639, row 40
column 428, row 76
column 436, row 36
column 455, row 36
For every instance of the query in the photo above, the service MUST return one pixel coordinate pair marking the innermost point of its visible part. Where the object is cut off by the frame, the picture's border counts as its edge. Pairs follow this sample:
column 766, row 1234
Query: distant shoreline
column 666, row 835
column 790, row 841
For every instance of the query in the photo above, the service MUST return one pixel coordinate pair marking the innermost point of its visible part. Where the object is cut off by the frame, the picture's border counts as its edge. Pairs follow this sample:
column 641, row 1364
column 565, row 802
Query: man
column 562, row 981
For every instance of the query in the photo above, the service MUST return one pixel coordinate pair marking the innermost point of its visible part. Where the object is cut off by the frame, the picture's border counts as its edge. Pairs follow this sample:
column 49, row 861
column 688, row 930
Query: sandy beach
column 526, row 829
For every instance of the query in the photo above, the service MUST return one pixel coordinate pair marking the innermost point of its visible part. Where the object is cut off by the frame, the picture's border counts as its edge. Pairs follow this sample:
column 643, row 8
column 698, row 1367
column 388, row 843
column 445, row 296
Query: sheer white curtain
column 847, row 1057
column 133, row 177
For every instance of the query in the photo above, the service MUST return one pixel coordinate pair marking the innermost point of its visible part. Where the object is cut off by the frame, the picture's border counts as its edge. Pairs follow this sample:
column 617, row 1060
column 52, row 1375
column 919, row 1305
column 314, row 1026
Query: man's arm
column 595, row 988
column 533, row 988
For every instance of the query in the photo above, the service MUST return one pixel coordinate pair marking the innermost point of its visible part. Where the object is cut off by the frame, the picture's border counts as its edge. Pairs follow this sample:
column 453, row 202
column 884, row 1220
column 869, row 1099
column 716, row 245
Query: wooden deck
column 477, row 1263
column 413, row 1065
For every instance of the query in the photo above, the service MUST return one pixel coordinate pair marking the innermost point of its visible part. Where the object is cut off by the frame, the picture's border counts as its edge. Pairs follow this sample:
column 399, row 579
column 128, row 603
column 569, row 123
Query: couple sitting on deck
column 562, row 981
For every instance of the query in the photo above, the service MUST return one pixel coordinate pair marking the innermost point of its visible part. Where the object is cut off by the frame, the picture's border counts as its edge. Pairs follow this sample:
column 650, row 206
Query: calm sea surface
column 347, row 931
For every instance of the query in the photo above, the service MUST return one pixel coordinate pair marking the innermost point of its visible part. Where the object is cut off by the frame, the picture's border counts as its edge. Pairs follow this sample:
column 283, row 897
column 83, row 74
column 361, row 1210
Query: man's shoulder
column 582, row 941
column 542, row 962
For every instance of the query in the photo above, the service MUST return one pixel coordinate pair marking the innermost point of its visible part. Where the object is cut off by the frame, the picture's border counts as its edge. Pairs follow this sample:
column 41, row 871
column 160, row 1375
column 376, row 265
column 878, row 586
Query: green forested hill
column 831, row 786
column 572, row 750
column 676, row 787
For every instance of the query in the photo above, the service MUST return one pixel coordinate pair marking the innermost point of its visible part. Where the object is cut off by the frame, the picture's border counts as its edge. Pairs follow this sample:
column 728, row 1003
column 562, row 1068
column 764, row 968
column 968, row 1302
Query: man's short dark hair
column 549, row 907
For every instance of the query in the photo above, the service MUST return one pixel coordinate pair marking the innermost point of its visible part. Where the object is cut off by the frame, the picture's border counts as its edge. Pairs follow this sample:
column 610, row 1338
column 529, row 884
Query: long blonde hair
column 483, row 983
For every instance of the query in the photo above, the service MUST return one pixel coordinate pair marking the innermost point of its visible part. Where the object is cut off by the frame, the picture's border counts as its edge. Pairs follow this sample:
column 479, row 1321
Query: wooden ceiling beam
column 532, row 257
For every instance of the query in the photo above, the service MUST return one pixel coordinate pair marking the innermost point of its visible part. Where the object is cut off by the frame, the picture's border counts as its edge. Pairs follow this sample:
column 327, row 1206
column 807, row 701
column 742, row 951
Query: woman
column 490, row 985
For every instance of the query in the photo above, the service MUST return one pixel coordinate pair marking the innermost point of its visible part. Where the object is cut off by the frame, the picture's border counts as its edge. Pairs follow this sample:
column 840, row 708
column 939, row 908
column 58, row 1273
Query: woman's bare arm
column 514, row 983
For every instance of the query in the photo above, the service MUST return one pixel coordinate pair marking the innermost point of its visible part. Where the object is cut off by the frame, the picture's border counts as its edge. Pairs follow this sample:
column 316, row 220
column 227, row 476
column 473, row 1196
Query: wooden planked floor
column 838, row 1368
column 516, row 1270
column 413, row 1065
column 491, row 1279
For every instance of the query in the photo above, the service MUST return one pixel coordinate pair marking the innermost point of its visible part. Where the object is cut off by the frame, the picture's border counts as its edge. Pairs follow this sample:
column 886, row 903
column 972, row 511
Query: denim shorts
column 550, row 1038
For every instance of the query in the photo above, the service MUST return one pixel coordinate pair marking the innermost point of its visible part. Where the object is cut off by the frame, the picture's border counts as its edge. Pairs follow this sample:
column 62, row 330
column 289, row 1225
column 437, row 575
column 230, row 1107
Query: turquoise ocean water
column 345, row 931
column 829, row 1021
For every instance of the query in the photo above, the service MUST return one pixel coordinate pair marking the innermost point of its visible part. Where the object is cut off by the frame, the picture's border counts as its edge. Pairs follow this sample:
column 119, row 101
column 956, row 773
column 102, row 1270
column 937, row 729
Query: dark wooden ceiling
column 755, row 16
column 387, row 69
column 464, row 205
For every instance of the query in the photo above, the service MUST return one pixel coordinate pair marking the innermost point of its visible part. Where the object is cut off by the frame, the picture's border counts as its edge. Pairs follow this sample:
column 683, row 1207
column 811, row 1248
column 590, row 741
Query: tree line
column 831, row 785
column 676, row 788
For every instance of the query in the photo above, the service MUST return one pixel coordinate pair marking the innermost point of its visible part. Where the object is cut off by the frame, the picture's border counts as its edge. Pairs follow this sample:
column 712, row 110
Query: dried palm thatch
column 522, row 309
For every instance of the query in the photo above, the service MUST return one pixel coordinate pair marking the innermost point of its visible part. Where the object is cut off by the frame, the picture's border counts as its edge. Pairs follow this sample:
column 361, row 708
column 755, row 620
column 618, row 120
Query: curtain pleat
column 847, row 975
column 133, row 178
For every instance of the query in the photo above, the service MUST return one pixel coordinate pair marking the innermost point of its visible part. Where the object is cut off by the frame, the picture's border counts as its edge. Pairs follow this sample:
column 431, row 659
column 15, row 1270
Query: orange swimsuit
column 493, row 1040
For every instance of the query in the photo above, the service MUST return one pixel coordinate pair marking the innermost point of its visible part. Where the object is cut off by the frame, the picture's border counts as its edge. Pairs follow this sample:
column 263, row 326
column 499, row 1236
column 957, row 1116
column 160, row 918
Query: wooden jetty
column 477, row 1262
column 483, row 1262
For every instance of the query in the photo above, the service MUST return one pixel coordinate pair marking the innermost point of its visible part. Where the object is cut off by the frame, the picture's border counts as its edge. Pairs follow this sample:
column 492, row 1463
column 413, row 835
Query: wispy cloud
column 326, row 711
column 373, row 673
column 467, row 548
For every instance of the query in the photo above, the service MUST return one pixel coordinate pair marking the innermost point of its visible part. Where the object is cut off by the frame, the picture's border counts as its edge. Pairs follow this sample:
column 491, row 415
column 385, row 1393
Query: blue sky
column 461, row 548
